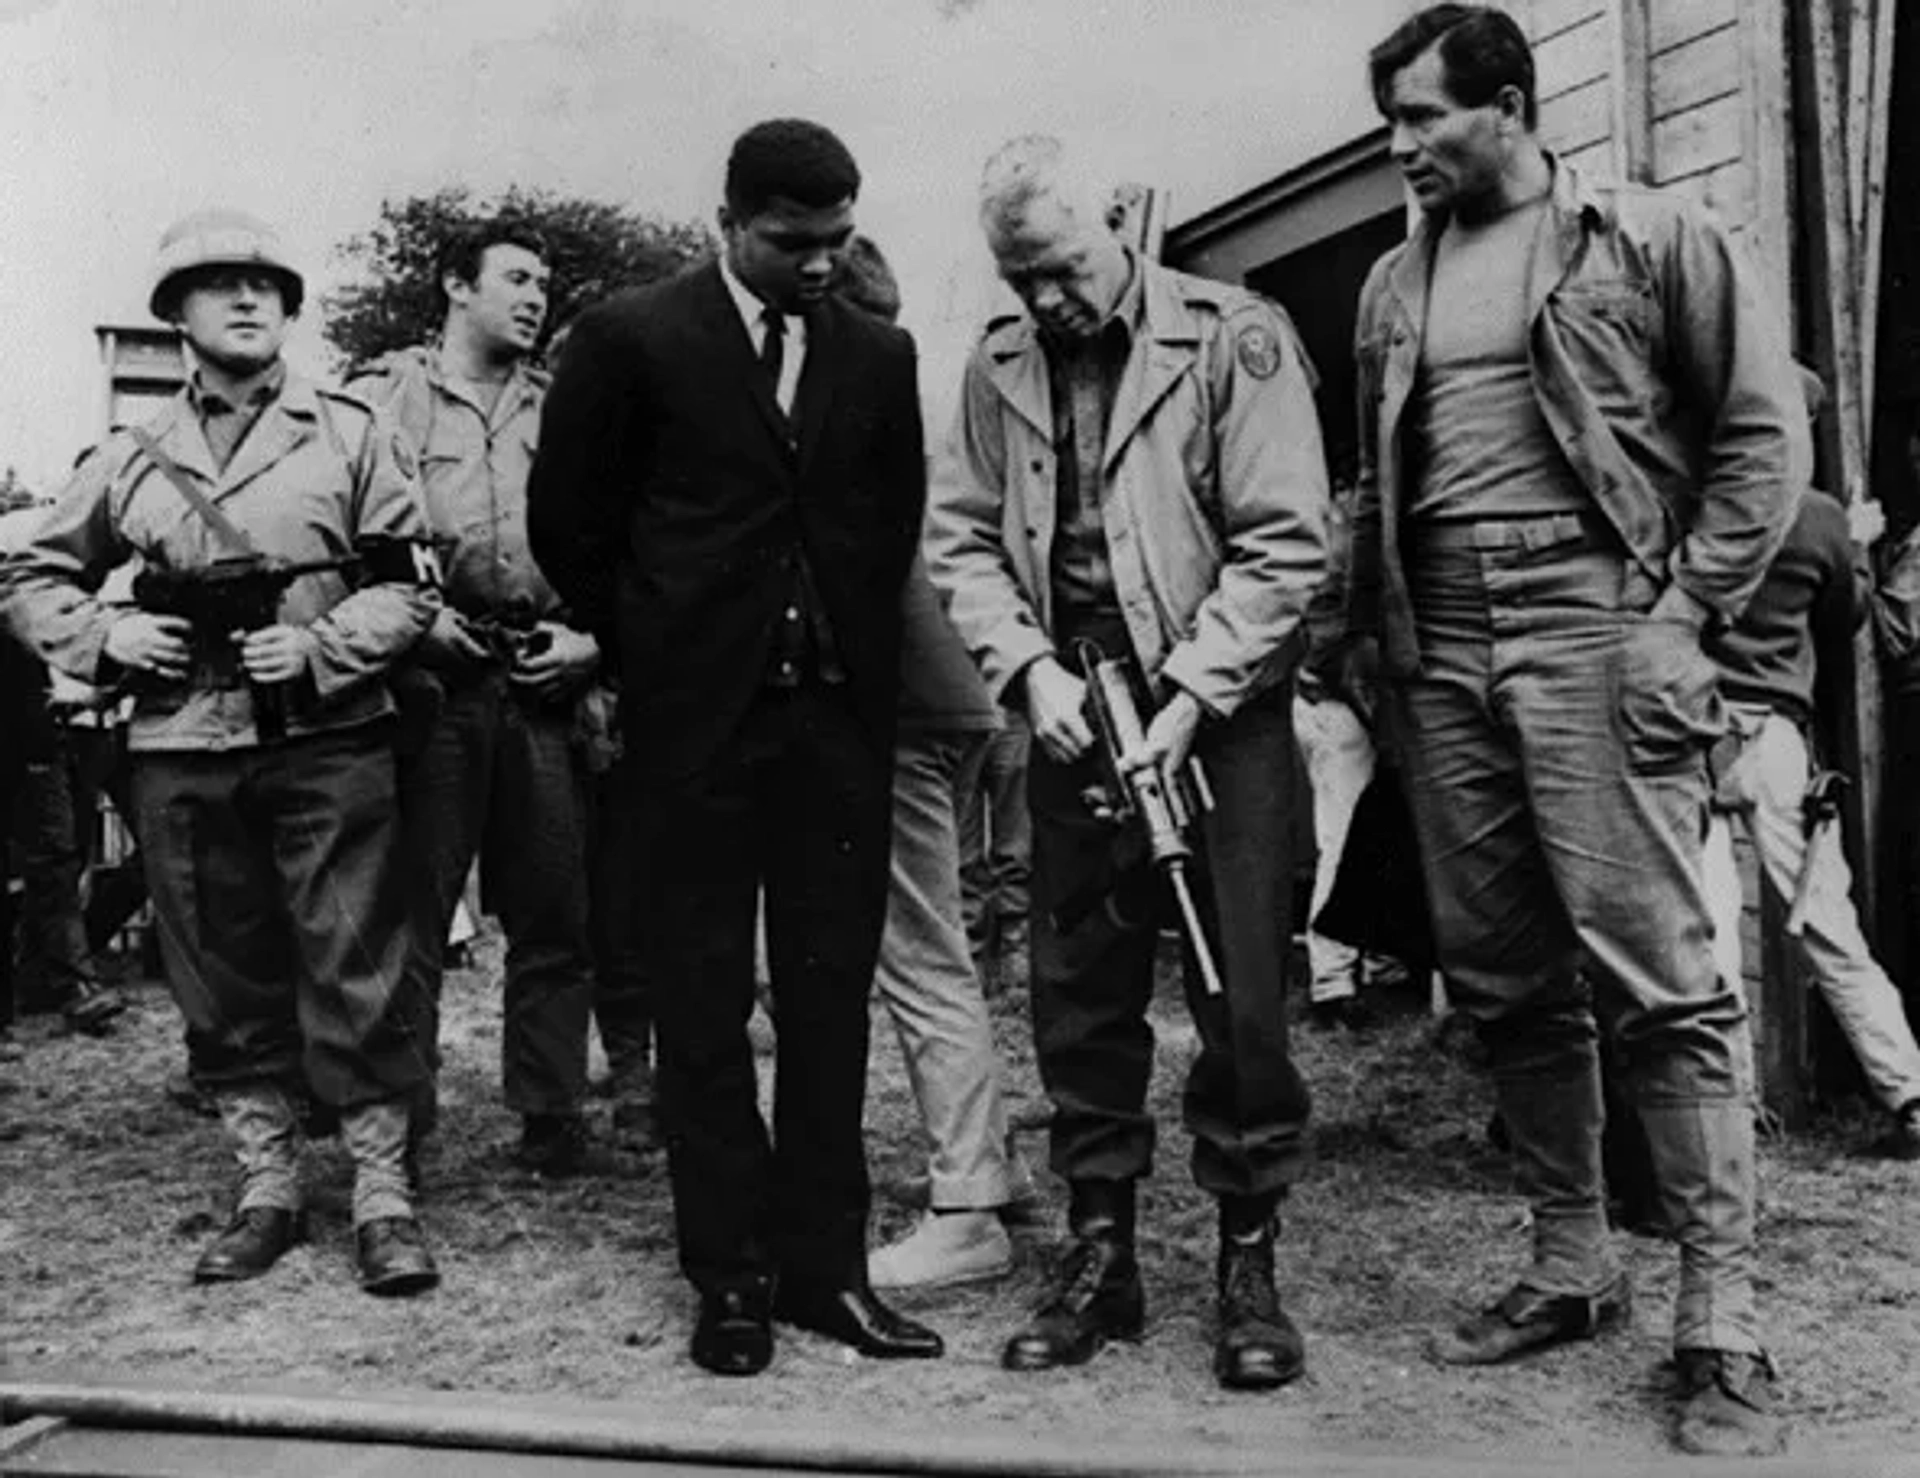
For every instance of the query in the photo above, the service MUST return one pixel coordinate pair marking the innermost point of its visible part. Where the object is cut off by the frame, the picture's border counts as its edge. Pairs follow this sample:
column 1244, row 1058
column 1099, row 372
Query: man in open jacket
column 1581, row 444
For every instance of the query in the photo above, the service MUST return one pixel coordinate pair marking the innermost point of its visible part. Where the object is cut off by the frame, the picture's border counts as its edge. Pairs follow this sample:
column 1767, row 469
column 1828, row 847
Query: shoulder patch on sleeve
column 1257, row 347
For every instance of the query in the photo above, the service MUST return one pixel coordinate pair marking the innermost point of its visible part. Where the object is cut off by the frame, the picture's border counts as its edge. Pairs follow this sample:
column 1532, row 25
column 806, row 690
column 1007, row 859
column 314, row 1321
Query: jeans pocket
column 1669, row 698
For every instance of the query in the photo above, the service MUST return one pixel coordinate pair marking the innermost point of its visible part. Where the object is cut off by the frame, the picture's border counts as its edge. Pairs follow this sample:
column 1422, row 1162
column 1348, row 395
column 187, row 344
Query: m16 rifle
column 1162, row 803
column 241, row 593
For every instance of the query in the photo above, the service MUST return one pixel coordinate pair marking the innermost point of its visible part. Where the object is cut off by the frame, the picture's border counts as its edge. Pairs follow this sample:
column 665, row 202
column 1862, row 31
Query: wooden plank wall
column 1687, row 95
column 1576, row 56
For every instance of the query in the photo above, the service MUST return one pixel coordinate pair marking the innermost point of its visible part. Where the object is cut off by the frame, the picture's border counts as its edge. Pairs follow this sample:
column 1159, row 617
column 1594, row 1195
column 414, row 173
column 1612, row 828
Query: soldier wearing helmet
column 262, row 770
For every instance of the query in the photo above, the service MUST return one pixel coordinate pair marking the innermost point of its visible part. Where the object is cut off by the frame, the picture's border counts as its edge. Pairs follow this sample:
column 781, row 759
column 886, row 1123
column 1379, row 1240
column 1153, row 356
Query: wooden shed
column 1794, row 120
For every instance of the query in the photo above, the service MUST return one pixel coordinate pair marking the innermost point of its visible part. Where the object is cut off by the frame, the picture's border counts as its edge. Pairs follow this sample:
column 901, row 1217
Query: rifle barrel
column 1196, row 936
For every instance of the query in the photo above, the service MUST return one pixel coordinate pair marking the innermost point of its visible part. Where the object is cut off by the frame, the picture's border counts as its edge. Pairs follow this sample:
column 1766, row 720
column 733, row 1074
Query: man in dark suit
column 728, row 490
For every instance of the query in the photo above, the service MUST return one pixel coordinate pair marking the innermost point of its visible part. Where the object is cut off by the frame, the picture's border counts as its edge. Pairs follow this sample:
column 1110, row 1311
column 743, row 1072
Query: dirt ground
column 107, row 1190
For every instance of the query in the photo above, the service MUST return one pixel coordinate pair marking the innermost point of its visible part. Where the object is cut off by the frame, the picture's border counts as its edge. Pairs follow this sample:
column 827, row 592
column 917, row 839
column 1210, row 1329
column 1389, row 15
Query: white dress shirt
column 752, row 309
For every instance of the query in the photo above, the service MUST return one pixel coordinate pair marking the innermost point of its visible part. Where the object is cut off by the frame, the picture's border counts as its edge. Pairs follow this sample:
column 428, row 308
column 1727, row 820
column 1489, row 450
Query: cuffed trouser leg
column 375, row 1135
column 265, row 1135
column 926, row 978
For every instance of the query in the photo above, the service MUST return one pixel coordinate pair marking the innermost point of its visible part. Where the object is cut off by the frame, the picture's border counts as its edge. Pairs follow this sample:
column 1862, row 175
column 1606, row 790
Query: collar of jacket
column 1573, row 206
column 523, row 384
column 1164, row 344
column 284, row 423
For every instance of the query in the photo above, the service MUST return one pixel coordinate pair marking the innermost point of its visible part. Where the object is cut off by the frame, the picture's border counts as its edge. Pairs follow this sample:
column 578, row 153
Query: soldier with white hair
column 260, row 748
column 1137, row 467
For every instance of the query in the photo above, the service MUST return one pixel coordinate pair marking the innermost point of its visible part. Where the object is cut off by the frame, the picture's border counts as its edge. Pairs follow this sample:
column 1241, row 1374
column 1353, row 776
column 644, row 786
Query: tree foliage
column 594, row 249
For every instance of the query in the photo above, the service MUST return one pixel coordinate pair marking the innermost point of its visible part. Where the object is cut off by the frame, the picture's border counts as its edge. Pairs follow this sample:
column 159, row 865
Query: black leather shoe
column 1526, row 1320
column 734, row 1335
column 393, row 1257
column 253, row 1242
column 852, row 1314
column 1258, row 1347
column 1097, row 1297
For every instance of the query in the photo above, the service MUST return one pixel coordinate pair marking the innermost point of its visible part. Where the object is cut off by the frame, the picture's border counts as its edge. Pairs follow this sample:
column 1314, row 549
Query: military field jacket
column 473, row 476
column 1664, row 377
column 1213, row 495
column 317, row 470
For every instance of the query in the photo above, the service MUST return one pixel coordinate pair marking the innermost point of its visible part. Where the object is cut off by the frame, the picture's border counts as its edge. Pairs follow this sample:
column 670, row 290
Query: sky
column 118, row 116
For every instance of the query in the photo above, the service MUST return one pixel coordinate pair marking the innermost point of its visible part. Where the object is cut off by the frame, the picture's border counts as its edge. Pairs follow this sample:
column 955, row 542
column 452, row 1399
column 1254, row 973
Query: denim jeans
column 926, row 978
column 1554, row 743
column 1764, row 788
column 498, row 778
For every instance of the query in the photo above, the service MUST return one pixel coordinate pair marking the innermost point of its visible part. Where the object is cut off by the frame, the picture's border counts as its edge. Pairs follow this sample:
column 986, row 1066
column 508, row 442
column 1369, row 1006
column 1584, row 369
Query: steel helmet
column 220, row 238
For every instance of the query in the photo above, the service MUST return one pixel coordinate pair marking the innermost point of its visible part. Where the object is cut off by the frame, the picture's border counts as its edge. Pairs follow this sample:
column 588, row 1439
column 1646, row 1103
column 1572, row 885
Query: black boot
column 1096, row 1296
column 253, row 1242
column 1257, row 1347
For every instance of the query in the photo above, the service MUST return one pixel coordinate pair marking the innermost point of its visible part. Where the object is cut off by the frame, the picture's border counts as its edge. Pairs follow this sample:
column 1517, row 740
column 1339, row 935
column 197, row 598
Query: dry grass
column 107, row 1192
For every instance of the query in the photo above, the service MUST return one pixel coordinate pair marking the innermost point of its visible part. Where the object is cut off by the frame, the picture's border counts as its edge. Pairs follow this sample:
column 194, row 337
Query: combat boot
column 1096, row 1295
column 1257, row 1347
column 389, row 1249
column 256, row 1239
column 263, row 1130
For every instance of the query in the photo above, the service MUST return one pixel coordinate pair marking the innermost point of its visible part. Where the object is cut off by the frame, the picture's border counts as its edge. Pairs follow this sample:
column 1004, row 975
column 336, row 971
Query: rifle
column 1162, row 804
column 240, row 593
column 1820, row 821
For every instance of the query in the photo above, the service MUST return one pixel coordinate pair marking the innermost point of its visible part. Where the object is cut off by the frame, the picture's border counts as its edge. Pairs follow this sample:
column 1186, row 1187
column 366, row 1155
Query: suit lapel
column 814, row 394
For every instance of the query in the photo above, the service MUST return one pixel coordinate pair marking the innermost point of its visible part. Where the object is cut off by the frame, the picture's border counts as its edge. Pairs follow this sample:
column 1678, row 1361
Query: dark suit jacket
column 669, row 501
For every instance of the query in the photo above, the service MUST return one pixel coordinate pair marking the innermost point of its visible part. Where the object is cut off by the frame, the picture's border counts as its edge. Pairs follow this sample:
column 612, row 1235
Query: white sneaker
column 945, row 1248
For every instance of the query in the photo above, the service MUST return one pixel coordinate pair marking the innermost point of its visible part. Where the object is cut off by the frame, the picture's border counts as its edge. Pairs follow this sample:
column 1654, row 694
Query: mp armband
column 389, row 559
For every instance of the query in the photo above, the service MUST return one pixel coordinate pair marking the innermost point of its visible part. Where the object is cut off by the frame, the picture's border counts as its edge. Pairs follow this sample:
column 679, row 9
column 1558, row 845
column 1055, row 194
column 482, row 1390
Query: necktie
column 773, row 349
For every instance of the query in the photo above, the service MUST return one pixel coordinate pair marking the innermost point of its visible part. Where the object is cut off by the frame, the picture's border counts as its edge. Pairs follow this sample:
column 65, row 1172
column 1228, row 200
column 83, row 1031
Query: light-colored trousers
column 1765, row 788
column 1338, row 752
column 926, row 978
